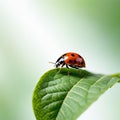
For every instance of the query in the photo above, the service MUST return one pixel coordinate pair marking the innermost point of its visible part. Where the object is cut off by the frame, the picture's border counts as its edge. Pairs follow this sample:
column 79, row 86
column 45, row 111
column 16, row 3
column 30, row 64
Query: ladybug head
column 59, row 62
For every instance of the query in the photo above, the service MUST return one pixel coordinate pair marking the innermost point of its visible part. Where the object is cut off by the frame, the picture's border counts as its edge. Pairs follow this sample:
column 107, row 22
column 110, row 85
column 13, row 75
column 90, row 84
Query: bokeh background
column 32, row 33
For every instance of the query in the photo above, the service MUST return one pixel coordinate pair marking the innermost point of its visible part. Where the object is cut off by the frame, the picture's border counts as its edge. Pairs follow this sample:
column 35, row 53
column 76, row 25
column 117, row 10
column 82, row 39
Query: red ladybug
column 70, row 59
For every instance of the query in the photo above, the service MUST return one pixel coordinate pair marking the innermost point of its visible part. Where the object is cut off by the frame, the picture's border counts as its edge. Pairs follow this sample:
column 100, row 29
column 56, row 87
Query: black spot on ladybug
column 82, row 63
column 70, row 61
column 75, row 61
column 72, row 55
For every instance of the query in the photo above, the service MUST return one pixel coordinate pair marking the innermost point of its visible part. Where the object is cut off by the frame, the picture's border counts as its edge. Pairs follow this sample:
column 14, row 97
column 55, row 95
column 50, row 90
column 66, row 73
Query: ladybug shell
column 70, row 59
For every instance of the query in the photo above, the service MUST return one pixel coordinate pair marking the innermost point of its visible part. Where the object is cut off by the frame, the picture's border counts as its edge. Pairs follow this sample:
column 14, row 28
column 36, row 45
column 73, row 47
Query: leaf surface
column 66, row 94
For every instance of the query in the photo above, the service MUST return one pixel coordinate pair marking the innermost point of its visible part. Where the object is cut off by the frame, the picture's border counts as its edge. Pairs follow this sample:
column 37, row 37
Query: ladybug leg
column 59, row 69
column 67, row 66
column 62, row 64
column 68, row 70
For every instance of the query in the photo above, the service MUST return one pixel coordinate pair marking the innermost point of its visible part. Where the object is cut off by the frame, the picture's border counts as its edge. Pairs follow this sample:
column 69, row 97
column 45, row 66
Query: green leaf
column 66, row 93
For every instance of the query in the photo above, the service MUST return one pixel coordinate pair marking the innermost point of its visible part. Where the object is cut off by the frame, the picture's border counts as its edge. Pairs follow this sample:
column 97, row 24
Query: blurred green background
column 32, row 33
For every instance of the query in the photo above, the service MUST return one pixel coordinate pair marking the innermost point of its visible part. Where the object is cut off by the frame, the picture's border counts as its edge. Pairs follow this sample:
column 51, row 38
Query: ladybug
column 70, row 59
